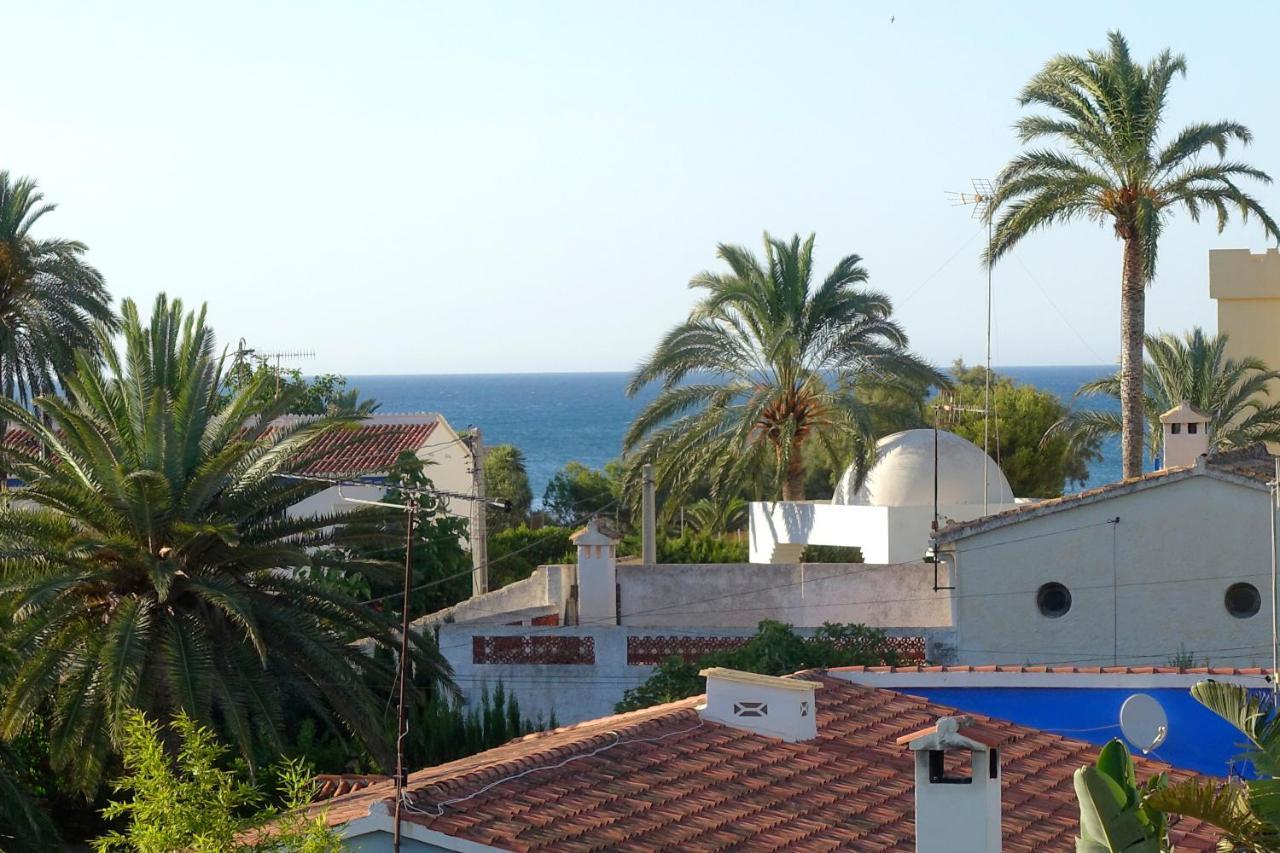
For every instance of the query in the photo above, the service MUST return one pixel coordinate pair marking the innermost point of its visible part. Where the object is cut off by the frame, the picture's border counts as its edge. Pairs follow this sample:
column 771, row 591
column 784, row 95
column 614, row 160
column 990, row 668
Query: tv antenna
column 243, row 352
column 980, row 201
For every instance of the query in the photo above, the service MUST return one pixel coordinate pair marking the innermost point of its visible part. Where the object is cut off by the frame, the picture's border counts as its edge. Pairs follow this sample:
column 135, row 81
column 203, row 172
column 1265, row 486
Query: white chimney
column 597, row 575
column 957, row 800
column 764, row 704
column 1186, row 435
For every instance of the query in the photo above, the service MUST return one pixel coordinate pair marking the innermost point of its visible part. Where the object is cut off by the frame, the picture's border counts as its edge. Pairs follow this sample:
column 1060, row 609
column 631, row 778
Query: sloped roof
column 1252, row 465
column 663, row 779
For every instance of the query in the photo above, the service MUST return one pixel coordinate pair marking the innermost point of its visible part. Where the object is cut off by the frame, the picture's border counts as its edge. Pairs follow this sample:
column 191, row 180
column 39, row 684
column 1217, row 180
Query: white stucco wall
column 1140, row 588
column 805, row 595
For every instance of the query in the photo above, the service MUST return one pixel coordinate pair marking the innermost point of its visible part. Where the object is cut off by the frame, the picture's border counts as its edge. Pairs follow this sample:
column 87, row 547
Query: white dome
column 903, row 473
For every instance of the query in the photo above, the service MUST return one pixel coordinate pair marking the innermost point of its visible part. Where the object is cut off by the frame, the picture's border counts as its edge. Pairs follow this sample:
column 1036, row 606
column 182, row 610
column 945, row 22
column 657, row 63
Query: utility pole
column 402, row 727
column 649, row 545
column 479, row 519
column 1273, row 505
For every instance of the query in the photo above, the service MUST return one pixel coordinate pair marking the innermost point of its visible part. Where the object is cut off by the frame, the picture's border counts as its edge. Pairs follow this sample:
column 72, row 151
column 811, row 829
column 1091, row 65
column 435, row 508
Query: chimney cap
column 594, row 534
column 952, row 733
column 1183, row 413
column 737, row 676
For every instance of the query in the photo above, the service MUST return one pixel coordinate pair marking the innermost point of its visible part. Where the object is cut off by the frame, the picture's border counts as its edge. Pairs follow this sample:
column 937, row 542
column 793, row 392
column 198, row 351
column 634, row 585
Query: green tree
column 765, row 364
column 577, row 491
column 1036, row 460
column 194, row 804
column 1108, row 111
column 775, row 650
column 319, row 395
column 515, row 553
column 50, row 299
column 1194, row 368
column 24, row 828
column 718, row 517
column 151, row 564
column 505, row 478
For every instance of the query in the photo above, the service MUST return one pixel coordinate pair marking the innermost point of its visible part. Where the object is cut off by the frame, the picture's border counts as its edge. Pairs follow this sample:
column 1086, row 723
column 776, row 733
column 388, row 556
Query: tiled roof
column 367, row 449
column 1085, row 670
column 662, row 779
column 1250, row 463
column 330, row 785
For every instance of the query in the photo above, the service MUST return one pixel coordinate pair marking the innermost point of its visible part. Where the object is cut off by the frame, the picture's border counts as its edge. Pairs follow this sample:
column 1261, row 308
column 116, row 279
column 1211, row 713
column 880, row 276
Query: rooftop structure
column 1246, row 286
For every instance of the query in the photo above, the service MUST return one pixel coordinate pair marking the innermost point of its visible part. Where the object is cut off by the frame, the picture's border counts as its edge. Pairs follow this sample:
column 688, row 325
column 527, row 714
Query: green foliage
column 700, row 548
column 192, row 803
column 50, row 298
column 505, row 478
column 24, row 828
column 320, row 395
column 1194, row 368
column 1113, row 814
column 1037, row 460
column 443, row 730
column 150, row 564
column 576, row 492
column 775, row 650
column 765, row 364
column 718, row 517
column 514, row 553
column 372, row 544
column 831, row 554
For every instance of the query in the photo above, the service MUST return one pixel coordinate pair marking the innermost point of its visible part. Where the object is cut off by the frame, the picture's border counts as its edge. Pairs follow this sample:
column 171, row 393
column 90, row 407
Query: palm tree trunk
column 793, row 485
column 1133, row 300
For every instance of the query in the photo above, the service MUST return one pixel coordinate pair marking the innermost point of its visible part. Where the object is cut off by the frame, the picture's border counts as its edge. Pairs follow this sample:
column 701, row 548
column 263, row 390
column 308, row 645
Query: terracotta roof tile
column 673, row 782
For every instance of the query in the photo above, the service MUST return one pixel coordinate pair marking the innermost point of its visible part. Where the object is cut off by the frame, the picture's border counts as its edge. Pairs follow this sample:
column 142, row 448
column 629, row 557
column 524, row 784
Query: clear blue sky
column 494, row 187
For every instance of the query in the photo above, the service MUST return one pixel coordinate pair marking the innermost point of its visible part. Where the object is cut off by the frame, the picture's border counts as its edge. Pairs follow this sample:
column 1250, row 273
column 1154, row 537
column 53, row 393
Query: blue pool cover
column 1198, row 739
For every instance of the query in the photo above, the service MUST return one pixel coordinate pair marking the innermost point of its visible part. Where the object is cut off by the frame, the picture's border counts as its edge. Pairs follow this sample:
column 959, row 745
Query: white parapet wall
column 581, row 672
column 885, row 534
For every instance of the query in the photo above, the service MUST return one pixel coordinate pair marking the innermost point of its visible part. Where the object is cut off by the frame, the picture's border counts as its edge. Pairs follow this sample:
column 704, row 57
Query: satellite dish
column 1143, row 722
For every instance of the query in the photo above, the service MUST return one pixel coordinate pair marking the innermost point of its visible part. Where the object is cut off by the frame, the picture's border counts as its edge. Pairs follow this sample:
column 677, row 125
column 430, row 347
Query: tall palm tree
column 1107, row 110
column 50, row 299
column 151, row 564
column 1194, row 368
column 764, row 364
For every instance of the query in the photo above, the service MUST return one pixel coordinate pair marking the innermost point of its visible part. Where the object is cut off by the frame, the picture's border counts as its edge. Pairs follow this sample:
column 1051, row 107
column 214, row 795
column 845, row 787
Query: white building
column 917, row 473
column 368, row 452
column 1173, row 564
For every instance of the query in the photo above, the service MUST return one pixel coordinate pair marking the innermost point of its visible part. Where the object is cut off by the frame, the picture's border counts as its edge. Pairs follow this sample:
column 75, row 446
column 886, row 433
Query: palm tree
column 764, row 364
column 50, row 299
column 1193, row 368
column 1108, row 111
column 151, row 564
column 1247, row 812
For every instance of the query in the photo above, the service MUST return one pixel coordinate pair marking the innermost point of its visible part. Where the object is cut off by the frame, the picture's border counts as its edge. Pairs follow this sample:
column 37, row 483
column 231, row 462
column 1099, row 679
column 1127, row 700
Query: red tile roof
column 662, row 779
column 330, row 785
column 1084, row 670
column 367, row 449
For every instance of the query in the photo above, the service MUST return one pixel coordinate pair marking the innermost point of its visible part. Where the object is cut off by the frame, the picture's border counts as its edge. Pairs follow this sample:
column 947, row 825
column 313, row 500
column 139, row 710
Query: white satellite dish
column 1143, row 722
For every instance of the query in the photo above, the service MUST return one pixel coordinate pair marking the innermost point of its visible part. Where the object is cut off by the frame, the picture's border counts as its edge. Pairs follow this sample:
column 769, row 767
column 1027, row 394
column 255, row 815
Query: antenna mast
column 980, row 201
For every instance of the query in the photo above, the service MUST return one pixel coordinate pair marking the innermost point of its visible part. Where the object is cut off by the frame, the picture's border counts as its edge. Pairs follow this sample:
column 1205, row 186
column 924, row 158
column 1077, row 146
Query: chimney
column 1186, row 435
column 764, row 704
column 957, row 788
column 597, row 575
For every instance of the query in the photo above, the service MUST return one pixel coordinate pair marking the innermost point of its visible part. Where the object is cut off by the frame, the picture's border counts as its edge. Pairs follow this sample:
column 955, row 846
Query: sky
column 523, row 187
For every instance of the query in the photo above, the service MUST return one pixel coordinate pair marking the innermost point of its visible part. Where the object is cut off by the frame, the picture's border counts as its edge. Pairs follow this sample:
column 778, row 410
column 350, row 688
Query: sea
column 556, row 418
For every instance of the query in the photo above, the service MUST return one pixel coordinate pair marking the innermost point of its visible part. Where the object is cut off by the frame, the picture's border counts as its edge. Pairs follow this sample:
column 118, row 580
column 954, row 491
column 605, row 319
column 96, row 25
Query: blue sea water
column 555, row 418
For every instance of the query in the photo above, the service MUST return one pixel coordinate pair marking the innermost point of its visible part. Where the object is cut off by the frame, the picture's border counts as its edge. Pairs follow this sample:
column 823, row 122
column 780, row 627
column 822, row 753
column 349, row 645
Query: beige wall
column 1140, row 589
column 1246, row 287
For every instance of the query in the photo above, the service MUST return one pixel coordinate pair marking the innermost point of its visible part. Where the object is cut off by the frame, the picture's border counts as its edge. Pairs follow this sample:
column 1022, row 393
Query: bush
column 775, row 650
column 831, row 554
column 691, row 548
column 514, row 553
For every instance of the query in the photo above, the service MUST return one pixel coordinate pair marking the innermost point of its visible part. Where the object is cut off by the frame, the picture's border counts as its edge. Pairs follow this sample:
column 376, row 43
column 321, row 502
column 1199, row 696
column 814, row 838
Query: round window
column 1243, row 600
column 1054, row 600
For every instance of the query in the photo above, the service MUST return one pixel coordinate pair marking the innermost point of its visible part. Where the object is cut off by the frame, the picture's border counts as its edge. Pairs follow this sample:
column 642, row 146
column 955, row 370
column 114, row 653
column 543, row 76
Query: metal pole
column 479, row 519
column 649, row 545
column 935, row 469
column 986, row 400
column 402, row 729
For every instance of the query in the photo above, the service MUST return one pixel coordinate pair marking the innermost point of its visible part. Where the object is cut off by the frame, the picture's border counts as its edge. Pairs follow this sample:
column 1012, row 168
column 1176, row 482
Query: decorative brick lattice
column 651, row 651
column 525, row 650
column 909, row 649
